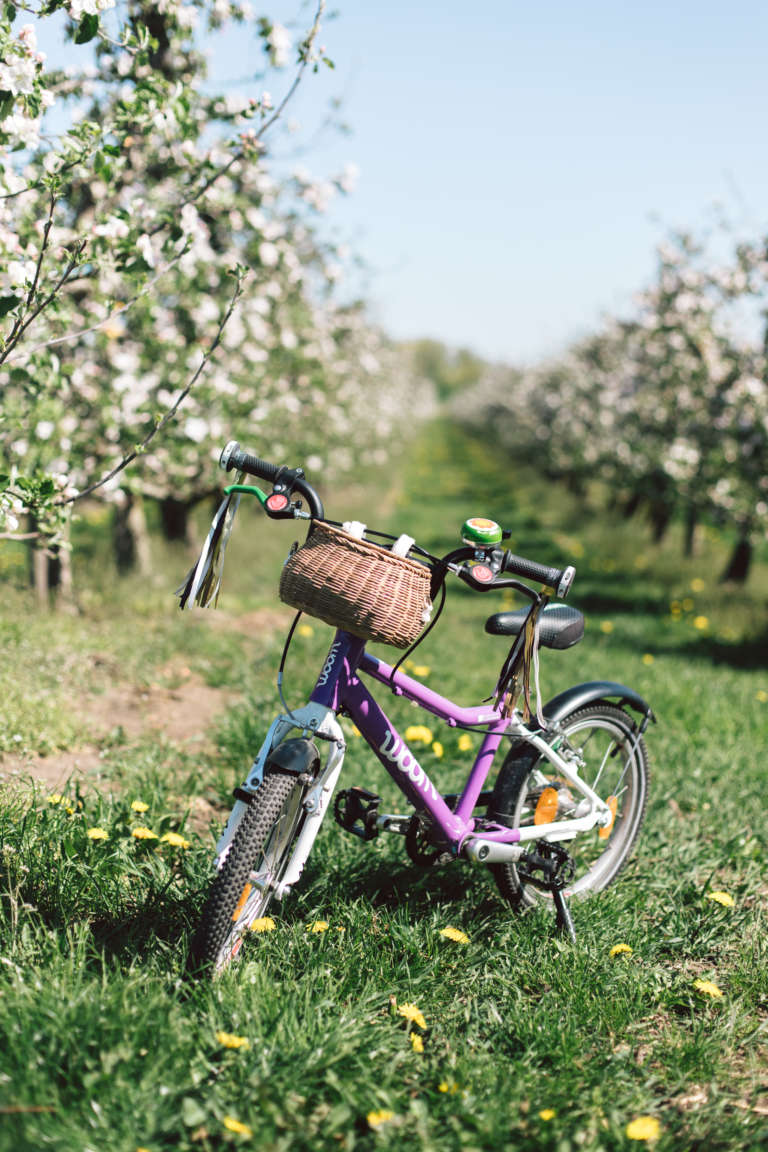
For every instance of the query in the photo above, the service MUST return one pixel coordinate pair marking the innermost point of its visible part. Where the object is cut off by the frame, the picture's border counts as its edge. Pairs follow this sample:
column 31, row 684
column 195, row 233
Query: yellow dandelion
column 647, row 658
column 607, row 627
column 175, row 840
column 229, row 1040
column 620, row 950
column 643, row 1128
column 233, row 1125
column 318, row 926
column 450, row 1087
column 382, row 1116
column 55, row 798
column 412, row 1013
column 707, row 988
column 465, row 742
column 305, row 630
column 70, row 811
column 455, row 934
column 723, row 898
column 438, row 749
column 761, row 695
column 416, row 1042
column 97, row 834
column 418, row 734
column 142, row 833
column 701, row 623
column 697, row 584
column 263, row 924
column 421, row 670
column 547, row 1114
column 688, row 604
column 139, row 806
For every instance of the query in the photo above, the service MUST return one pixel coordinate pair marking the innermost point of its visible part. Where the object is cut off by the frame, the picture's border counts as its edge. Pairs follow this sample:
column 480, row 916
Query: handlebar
column 558, row 578
column 283, row 479
column 482, row 577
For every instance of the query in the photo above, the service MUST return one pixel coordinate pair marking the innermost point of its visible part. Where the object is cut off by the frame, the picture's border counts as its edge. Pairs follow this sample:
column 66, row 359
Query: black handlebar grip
column 234, row 457
column 558, row 578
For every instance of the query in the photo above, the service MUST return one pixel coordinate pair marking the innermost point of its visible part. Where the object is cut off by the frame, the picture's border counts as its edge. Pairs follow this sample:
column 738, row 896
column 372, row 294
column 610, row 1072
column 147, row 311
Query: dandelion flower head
column 643, row 1128
column 454, row 934
column 382, row 1116
column 230, row 1040
column 412, row 1013
column 620, row 950
column 707, row 988
column 142, row 833
column 723, row 898
column 233, row 1125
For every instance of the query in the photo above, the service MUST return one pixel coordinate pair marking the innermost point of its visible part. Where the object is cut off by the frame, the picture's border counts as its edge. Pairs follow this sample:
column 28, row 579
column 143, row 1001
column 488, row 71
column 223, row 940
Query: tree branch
column 21, row 326
column 160, row 424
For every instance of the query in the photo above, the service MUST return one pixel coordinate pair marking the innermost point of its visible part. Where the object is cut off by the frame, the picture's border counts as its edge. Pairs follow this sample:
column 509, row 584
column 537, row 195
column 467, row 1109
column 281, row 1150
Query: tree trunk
column 39, row 575
column 44, row 568
column 691, row 524
column 123, row 539
column 64, row 588
column 631, row 505
column 174, row 517
column 137, row 526
column 737, row 568
column 661, row 514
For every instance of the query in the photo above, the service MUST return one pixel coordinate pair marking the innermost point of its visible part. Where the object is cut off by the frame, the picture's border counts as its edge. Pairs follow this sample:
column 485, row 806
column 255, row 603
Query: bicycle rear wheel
column 604, row 745
column 255, row 864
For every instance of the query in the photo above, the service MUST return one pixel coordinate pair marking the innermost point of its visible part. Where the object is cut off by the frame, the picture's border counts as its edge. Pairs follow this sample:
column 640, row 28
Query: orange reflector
column 613, row 803
column 546, row 808
column 241, row 902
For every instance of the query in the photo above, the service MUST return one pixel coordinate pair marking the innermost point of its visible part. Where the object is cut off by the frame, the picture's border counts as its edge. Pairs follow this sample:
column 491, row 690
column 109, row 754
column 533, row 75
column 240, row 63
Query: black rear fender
column 596, row 692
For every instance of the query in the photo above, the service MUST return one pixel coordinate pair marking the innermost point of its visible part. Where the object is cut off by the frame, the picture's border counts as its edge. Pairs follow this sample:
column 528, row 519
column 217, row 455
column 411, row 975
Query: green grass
column 105, row 1045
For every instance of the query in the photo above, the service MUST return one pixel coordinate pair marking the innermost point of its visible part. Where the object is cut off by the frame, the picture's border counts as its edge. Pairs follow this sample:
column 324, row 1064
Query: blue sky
column 520, row 162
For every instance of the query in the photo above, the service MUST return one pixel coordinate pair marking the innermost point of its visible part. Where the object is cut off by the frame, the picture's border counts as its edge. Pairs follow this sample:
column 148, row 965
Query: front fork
column 313, row 722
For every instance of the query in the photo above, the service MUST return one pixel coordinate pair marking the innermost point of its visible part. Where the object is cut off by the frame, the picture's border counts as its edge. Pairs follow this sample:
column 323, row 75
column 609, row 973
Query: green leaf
column 87, row 28
column 9, row 11
column 7, row 303
column 192, row 1114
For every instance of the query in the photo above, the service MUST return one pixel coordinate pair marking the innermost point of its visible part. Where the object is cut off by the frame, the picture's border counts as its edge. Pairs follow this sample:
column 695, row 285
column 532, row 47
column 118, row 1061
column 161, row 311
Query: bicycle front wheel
column 255, row 864
column 603, row 744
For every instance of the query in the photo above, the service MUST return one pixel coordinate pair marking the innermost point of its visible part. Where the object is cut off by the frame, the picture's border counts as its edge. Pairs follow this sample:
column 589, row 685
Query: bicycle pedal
column 356, row 810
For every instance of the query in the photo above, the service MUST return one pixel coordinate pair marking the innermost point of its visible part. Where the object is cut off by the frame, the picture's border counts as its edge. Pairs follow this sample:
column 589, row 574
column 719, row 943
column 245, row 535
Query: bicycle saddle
column 560, row 625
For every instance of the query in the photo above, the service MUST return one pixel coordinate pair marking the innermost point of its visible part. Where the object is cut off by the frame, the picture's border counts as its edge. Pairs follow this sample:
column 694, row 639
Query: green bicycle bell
column 479, row 530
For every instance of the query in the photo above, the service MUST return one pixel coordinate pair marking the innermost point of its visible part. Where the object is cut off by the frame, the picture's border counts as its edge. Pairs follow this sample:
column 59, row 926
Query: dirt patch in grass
column 125, row 714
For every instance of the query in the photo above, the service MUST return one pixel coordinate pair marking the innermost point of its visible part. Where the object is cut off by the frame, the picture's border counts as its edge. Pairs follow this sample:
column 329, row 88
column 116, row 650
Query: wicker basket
column 358, row 586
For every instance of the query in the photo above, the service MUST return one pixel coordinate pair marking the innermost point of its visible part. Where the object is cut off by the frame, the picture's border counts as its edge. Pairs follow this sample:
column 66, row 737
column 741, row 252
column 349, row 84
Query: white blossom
column 279, row 42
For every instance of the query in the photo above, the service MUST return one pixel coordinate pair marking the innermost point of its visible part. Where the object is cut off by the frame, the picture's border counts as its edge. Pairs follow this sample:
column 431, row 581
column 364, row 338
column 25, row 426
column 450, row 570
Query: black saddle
column 559, row 625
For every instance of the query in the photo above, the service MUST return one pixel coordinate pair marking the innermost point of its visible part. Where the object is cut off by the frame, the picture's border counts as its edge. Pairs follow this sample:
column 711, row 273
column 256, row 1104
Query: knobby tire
column 219, row 935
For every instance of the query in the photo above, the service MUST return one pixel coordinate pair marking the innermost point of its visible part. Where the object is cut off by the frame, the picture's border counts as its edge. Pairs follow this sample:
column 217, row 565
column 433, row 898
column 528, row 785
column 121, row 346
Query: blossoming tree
column 668, row 408
column 161, row 289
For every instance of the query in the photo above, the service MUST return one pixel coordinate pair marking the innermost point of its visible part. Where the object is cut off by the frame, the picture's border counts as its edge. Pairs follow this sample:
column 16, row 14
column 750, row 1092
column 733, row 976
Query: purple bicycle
column 568, row 800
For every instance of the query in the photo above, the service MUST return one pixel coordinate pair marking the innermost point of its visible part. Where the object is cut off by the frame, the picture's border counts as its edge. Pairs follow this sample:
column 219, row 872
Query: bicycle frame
column 339, row 689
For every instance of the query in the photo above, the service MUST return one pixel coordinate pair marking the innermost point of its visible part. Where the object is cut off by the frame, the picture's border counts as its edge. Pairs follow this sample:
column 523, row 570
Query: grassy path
column 527, row 1043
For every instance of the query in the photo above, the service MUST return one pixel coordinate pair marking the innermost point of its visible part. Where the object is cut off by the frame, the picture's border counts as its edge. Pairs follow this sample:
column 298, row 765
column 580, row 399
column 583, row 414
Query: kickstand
column 556, row 868
column 564, row 920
